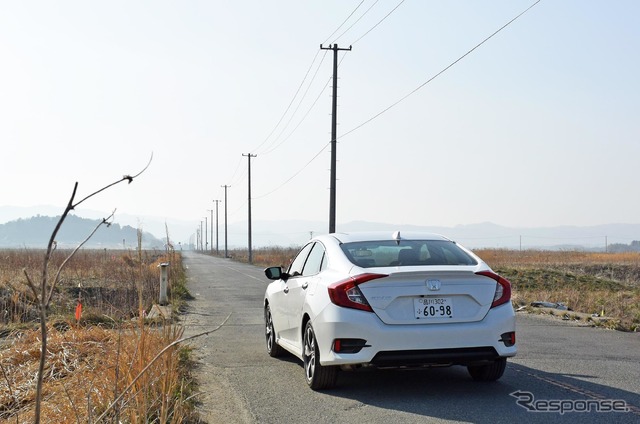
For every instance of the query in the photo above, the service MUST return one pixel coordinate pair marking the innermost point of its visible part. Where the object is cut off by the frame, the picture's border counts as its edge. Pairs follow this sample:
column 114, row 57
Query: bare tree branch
column 128, row 178
column 51, row 246
column 56, row 279
column 31, row 285
column 45, row 298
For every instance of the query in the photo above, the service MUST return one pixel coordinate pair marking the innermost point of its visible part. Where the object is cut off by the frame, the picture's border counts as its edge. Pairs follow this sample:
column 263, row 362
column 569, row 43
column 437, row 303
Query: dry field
column 606, row 284
column 90, row 363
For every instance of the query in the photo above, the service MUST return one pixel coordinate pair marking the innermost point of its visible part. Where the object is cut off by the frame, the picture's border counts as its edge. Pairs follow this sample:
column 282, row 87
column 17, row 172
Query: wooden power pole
column 334, row 121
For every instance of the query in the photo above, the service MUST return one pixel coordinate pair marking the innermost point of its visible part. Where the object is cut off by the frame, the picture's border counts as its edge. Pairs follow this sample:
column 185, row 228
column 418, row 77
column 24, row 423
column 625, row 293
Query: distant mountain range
column 21, row 231
column 35, row 232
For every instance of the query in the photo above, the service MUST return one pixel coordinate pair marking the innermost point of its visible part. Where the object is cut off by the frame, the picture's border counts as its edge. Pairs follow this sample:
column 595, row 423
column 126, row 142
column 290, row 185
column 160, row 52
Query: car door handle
column 286, row 290
column 305, row 285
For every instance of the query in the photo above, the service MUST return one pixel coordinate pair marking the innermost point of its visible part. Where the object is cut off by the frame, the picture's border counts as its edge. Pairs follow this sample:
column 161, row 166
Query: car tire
column 273, row 348
column 318, row 376
column 488, row 372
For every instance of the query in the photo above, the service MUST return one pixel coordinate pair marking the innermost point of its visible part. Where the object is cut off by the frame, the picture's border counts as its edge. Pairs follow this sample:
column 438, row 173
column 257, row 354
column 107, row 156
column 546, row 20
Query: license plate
column 433, row 307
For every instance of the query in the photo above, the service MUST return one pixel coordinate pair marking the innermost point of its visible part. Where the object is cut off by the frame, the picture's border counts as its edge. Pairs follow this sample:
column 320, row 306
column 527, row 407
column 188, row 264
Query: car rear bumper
column 414, row 344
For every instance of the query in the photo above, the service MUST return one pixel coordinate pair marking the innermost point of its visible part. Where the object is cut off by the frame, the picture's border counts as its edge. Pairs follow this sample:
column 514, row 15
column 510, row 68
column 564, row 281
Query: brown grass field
column 606, row 284
column 91, row 361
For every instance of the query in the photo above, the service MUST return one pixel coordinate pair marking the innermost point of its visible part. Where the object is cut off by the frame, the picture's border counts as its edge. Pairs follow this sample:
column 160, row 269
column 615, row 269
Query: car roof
column 386, row 235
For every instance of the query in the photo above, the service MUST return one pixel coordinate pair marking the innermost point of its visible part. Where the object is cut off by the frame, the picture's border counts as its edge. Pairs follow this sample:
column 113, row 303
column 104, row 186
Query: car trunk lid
column 430, row 297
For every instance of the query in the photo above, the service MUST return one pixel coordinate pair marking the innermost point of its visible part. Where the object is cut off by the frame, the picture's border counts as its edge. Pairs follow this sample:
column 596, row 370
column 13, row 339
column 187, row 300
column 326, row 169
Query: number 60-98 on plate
column 433, row 307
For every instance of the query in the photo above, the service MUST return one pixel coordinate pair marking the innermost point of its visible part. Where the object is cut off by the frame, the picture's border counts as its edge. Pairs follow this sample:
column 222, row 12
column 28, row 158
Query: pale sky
column 538, row 126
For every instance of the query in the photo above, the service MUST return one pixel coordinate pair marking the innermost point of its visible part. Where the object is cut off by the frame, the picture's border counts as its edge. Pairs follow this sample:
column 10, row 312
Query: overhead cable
column 296, row 174
column 356, row 21
column 379, row 22
column 302, row 83
column 439, row 73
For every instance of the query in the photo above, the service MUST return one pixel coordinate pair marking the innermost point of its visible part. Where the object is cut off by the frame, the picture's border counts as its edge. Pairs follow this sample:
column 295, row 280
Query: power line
column 271, row 149
column 235, row 172
column 379, row 22
column 290, row 103
column 344, row 22
column 304, row 117
column 302, row 82
column 392, row 105
column 356, row 21
column 439, row 73
column 296, row 174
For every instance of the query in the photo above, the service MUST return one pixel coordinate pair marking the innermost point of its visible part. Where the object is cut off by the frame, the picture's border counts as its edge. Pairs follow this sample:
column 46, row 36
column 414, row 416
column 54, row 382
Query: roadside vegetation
column 93, row 360
column 116, row 364
column 601, row 289
column 75, row 341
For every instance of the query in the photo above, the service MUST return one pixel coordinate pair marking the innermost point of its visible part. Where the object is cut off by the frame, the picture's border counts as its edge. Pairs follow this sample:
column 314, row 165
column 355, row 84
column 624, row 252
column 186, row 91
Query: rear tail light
column 503, row 288
column 347, row 294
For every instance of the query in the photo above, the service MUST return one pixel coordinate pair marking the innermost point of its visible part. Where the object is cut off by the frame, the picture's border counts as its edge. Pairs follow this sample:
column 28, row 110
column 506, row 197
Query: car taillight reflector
column 503, row 288
column 347, row 294
column 349, row 345
column 509, row 339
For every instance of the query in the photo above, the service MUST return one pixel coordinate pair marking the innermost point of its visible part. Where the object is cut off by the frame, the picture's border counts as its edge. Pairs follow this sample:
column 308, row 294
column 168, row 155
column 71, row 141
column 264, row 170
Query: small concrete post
column 163, row 283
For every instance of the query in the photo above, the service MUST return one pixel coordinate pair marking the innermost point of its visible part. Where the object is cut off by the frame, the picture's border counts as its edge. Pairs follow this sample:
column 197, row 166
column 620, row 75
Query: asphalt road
column 559, row 366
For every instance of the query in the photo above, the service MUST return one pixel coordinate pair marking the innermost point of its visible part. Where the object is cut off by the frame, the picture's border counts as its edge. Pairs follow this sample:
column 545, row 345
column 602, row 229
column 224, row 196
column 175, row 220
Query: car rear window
column 369, row 254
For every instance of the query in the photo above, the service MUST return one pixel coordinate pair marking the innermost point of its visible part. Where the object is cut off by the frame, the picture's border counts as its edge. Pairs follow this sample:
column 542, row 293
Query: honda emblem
column 433, row 285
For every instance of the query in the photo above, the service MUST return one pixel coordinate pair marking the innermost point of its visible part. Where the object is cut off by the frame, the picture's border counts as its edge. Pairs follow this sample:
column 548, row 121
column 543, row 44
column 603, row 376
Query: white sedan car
column 389, row 300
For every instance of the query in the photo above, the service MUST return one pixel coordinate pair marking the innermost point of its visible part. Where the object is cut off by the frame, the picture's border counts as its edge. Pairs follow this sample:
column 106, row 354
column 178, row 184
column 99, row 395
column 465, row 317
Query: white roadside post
column 163, row 283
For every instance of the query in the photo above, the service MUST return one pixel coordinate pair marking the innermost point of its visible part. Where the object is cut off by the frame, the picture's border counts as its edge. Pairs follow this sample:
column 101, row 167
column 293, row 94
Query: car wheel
column 273, row 348
column 317, row 376
column 489, row 372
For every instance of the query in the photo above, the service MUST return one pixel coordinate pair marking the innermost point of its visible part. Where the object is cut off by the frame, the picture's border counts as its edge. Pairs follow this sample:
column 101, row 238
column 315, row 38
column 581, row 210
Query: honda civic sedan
column 389, row 300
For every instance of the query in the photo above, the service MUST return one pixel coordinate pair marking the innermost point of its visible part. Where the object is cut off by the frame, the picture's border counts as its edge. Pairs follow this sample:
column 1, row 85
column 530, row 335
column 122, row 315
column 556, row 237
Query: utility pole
column 226, row 252
column 249, row 156
column 205, row 244
column 334, row 120
column 211, row 210
column 521, row 243
column 217, row 201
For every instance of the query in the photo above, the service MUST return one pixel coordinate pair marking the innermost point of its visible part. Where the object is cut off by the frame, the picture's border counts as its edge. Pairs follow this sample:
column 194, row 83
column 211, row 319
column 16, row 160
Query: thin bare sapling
column 47, row 283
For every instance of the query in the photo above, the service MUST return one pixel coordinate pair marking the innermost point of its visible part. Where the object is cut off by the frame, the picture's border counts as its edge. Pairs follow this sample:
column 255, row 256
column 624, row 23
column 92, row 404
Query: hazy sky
column 538, row 126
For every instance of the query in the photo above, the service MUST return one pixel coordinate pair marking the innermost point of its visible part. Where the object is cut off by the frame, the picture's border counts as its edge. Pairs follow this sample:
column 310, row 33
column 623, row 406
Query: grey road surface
column 560, row 366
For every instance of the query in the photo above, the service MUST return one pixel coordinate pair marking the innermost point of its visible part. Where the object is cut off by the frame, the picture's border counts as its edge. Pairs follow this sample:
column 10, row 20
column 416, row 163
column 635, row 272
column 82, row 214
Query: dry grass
column 272, row 256
column 606, row 284
column 89, row 363
column 87, row 368
column 108, row 283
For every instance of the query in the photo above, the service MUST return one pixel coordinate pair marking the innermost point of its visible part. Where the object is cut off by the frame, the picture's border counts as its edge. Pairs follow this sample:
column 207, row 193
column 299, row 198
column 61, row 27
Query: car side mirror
column 275, row 273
